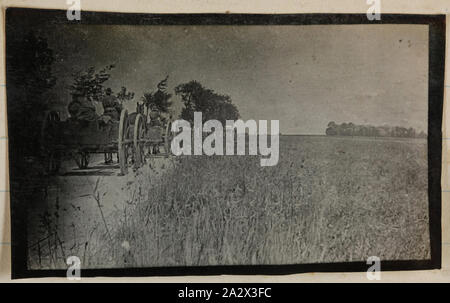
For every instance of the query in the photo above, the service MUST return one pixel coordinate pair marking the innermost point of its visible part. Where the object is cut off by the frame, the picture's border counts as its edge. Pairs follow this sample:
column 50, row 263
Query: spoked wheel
column 168, row 136
column 82, row 159
column 48, row 140
column 125, row 143
column 139, row 141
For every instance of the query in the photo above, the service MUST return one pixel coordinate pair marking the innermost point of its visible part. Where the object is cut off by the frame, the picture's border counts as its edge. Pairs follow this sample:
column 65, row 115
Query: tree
column 411, row 132
column 124, row 96
column 90, row 83
column 350, row 129
column 224, row 110
column 422, row 134
column 30, row 71
column 194, row 97
column 160, row 99
column 29, row 78
column 197, row 98
column 331, row 129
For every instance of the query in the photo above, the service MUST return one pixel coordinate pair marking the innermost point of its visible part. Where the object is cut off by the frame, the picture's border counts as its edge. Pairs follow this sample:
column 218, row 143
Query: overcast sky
column 304, row 76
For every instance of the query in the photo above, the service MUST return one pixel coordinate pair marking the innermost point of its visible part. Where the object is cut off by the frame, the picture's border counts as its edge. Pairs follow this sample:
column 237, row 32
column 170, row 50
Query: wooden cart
column 131, row 138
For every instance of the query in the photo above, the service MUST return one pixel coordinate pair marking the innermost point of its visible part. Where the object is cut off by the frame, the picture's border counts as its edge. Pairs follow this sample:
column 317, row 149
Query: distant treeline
column 350, row 129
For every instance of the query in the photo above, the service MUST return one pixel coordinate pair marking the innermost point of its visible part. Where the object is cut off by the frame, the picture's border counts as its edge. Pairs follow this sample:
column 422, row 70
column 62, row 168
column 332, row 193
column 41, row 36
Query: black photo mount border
column 436, row 86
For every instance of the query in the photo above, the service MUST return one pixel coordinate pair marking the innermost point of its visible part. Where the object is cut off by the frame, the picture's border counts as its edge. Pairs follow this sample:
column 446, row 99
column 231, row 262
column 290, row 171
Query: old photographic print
column 206, row 144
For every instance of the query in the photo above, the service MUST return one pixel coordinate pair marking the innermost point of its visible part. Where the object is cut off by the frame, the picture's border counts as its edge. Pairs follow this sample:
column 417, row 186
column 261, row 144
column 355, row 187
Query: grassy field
column 329, row 199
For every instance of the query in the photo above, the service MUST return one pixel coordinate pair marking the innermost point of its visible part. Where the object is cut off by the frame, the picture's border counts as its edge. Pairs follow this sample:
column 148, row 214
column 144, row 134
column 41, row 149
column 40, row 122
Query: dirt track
column 77, row 202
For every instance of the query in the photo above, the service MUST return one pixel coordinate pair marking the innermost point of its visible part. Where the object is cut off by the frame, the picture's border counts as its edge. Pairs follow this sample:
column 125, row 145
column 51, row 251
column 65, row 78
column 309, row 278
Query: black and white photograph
column 223, row 144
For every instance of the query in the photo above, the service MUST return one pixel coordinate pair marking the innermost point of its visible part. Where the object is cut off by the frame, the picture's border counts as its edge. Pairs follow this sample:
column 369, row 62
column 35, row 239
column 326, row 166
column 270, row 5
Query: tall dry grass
column 327, row 200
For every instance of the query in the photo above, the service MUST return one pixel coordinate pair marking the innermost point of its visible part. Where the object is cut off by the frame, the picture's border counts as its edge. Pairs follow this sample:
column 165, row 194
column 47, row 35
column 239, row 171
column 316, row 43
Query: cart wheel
column 138, row 139
column 122, row 142
column 82, row 159
column 168, row 136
